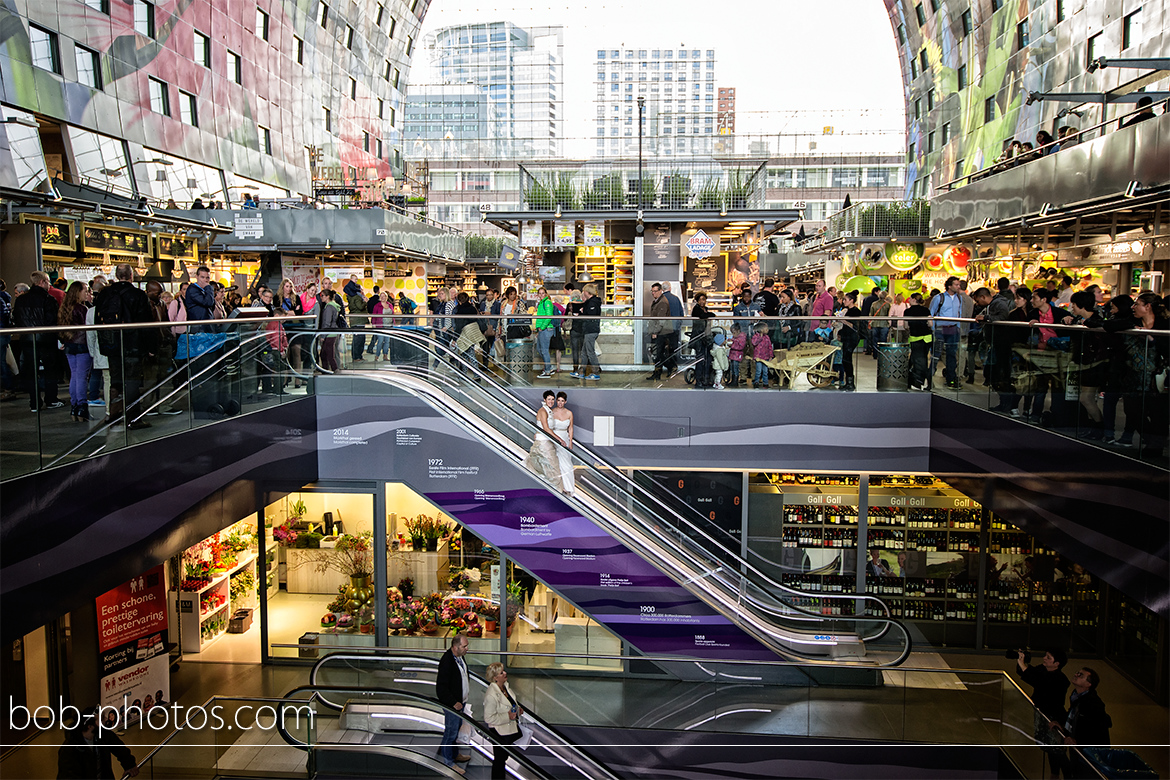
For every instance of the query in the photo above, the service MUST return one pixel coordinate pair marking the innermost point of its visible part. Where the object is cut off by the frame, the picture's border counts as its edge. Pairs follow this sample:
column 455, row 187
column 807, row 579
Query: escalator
column 674, row 538
column 368, row 731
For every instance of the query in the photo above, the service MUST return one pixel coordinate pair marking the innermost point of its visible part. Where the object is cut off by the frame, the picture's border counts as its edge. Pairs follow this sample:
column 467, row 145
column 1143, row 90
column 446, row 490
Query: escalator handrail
column 632, row 486
column 427, row 387
column 433, row 704
column 427, row 660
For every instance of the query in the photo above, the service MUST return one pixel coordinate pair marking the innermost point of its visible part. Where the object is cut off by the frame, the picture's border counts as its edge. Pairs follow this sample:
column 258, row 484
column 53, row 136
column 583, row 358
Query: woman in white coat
column 502, row 714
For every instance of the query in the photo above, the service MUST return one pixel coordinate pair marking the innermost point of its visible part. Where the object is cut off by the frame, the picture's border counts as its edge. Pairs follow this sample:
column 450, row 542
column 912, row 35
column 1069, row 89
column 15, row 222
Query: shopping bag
column 464, row 737
column 525, row 736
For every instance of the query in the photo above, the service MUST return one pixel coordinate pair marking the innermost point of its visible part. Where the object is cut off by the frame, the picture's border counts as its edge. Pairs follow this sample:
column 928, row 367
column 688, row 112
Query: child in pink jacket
column 736, row 355
column 761, row 351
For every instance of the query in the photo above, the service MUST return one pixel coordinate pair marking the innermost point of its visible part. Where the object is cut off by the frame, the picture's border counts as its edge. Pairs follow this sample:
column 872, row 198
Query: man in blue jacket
column 200, row 300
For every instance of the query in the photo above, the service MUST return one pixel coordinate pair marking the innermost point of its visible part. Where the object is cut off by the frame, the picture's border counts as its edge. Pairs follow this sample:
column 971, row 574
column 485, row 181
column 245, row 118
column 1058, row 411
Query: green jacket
column 544, row 312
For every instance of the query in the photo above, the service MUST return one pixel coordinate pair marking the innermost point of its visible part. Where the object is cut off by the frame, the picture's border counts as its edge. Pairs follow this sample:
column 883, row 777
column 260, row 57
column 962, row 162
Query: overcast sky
column 797, row 65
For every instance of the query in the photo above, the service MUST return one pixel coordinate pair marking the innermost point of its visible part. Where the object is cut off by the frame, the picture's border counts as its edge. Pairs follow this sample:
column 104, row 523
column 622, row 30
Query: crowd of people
column 1055, row 376
column 1016, row 152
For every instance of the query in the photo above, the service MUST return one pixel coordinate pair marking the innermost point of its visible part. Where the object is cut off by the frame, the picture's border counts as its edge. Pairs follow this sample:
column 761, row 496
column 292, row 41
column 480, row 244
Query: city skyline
column 792, row 81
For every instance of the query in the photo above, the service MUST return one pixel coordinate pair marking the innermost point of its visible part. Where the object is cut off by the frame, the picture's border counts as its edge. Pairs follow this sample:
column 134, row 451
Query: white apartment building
column 678, row 85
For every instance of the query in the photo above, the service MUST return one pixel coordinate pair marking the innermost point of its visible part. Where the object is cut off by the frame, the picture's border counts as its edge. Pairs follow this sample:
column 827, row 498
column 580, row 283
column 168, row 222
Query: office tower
column 493, row 90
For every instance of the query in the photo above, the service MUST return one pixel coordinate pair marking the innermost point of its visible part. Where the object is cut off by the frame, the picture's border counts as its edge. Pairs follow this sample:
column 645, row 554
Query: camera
column 1012, row 655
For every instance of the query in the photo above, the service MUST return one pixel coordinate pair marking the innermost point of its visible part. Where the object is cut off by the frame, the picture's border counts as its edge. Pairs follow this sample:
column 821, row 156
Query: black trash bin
column 893, row 361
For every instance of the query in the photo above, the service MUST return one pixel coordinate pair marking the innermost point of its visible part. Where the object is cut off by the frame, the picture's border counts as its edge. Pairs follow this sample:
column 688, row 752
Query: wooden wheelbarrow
column 814, row 360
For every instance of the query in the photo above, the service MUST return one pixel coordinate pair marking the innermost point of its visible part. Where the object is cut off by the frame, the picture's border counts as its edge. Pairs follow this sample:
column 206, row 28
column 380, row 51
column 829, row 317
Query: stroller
column 696, row 351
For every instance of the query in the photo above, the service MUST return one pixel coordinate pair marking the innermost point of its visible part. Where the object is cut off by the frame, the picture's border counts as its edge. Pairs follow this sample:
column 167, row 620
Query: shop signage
column 904, row 257
column 249, row 227
column 115, row 241
column 700, row 244
column 661, row 246
column 172, row 247
column 343, row 191
column 531, row 233
column 1105, row 254
column 564, row 232
column 594, row 232
column 132, row 641
column 58, row 236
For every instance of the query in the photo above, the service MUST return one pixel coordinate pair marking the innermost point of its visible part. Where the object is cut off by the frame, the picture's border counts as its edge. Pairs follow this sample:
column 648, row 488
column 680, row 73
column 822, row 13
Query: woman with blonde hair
column 591, row 328
column 502, row 714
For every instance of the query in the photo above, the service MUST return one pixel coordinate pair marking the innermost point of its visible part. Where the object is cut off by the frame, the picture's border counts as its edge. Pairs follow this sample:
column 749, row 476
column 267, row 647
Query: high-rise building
column 725, row 121
column 679, row 90
column 494, row 89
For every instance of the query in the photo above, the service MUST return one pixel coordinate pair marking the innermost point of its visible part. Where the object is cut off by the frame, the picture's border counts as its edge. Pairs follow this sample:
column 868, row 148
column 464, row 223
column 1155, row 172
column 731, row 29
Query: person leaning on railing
column 1049, row 684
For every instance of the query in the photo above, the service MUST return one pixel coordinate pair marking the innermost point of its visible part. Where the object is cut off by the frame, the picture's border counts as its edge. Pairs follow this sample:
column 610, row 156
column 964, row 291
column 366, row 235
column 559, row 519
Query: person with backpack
column 39, row 364
column 121, row 303
column 355, row 296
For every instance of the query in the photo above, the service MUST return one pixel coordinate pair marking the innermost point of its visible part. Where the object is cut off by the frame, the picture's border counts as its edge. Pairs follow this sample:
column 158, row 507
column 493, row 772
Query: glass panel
column 99, row 160
column 321, row 544
column 28, row 171
column 185, row 181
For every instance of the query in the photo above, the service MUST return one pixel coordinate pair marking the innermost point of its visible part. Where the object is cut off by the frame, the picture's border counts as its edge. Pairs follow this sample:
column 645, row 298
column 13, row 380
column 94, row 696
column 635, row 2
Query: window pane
column 144, row 18
column 44, row 46
column 187, row 109
column 88, row 68
column 159, row 100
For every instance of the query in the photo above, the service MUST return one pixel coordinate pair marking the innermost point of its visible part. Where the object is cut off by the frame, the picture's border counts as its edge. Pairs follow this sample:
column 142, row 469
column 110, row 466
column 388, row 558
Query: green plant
column 738, row 187
column 309, row 539
column 484, row 246
column 563, row 192
column 297, row 509
column 648, row 191
column 676, row 190
column 710, row 196
column 539, row 196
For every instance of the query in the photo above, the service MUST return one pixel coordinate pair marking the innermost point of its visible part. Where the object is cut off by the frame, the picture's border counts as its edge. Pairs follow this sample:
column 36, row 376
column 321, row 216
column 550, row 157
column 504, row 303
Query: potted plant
column 406, row 587
column 284, row 536
column 515, row 603
column 433, row 531
column 297, row 510
column 414, row 529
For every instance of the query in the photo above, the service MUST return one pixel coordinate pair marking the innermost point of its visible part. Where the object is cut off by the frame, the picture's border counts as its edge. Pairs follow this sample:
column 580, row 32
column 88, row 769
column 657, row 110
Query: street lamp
column 641, row 110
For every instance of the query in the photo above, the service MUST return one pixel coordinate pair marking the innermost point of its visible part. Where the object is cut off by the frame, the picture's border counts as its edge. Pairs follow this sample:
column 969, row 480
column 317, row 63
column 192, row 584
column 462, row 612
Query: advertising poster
column 594, row 232
column 564, row 233
column 301, row 273
column 530, row 233
column 132, row 643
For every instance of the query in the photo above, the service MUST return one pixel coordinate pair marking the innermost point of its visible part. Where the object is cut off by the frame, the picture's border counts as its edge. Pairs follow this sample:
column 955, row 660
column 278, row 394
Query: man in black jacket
column 127, row 350
column 88, row 751
column 39, row 366
column 1087, row 723
column 451, row 689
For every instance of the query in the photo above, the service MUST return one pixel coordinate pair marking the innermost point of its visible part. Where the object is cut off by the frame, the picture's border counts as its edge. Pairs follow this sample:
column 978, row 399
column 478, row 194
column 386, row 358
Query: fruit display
column 328, row 620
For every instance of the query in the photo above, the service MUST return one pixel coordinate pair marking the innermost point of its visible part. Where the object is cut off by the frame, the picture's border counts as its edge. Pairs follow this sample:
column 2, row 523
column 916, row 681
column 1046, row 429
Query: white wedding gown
column 564, row 458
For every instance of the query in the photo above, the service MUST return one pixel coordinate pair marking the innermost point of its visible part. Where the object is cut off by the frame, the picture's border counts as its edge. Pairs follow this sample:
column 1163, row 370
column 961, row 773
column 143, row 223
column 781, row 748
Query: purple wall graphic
column 599, row 574
column 402, row 439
